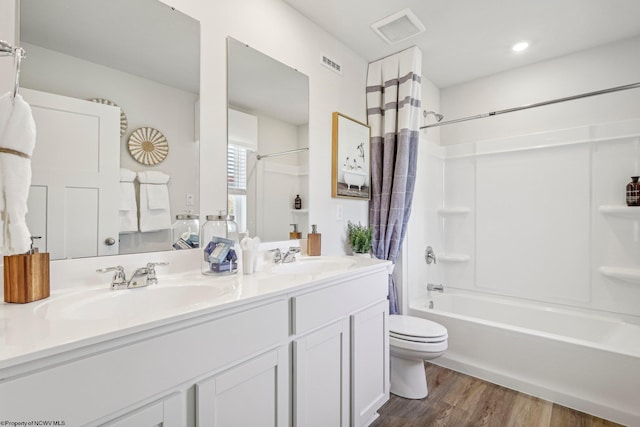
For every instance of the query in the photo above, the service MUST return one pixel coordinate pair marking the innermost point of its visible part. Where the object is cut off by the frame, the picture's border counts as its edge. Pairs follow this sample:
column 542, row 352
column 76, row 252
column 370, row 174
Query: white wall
column 603, row 67
column 7, row 33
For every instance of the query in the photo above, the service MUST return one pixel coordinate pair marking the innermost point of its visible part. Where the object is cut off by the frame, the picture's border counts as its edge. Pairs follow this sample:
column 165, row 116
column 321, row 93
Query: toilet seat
column 415, row 329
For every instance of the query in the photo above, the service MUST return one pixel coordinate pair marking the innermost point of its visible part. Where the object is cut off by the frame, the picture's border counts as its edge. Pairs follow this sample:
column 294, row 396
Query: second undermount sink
column 315, row 265
column 106, row 304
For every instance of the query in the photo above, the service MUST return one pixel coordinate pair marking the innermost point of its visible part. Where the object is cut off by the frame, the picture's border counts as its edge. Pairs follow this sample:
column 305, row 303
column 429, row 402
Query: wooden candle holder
column 26, row 277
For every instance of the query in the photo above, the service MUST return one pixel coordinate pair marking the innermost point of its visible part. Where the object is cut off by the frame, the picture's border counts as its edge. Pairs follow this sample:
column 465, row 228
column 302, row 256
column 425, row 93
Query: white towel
column 128, row 206
column 17, row 132
column 154, row 201
column 152, row 177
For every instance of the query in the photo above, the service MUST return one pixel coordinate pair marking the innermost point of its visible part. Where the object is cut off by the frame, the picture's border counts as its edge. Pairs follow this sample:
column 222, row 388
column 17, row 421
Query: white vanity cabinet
column 310, row 353
column 340, row 352
column 122, row 377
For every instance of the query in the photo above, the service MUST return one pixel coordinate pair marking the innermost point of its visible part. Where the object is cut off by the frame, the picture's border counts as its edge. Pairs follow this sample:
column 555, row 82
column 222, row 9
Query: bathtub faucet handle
column 430, row 256
column 432, row 287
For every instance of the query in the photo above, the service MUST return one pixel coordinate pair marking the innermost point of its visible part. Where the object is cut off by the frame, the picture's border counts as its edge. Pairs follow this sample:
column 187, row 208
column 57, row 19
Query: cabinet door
column 166, row 413
column 254, row 393
column 321, row 377
column 369, row 363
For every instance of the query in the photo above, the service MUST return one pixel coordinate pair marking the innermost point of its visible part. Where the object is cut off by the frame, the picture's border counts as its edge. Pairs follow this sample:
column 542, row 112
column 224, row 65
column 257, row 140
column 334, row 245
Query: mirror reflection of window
column 237, row 184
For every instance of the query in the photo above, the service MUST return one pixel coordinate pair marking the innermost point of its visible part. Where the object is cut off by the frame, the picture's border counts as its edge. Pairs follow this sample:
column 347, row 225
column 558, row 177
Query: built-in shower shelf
column 300, row 211
column 458, row 210
column 454, row 257
column 627, row 274
column 621, row 210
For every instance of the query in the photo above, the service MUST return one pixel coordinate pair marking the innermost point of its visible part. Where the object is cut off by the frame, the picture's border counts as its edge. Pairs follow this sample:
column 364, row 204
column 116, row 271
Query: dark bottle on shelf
column 297, row 203
column 633, row 192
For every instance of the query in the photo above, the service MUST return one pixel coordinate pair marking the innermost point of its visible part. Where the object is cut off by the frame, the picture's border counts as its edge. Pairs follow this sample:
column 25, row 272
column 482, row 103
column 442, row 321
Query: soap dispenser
column 314, row 241
column 295, row 234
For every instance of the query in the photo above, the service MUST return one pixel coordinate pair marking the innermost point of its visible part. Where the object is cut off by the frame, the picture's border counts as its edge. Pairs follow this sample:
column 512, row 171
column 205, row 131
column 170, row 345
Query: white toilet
column 413, row 340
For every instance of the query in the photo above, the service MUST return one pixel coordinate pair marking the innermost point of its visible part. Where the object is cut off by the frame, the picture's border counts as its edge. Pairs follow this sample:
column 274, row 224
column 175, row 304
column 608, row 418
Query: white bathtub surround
column 228, row 338
column 541, row 217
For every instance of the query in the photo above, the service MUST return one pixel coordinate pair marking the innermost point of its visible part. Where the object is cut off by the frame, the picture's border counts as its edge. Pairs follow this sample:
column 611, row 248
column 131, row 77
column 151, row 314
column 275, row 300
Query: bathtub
column 580, row 359
column 354, row 178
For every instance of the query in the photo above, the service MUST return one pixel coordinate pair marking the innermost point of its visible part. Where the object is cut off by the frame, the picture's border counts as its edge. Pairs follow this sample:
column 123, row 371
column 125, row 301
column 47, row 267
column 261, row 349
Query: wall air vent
column 398, row 27
column 331, row 64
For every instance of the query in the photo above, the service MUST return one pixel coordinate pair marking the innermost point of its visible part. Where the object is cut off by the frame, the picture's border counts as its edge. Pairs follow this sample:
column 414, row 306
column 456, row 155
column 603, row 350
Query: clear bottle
column 185, row 231
column 219, row 243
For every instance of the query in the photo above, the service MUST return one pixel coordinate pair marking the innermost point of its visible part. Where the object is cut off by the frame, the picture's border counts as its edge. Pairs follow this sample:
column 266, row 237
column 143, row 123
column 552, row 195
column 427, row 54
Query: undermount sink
column 127, row 303
column 314, row 266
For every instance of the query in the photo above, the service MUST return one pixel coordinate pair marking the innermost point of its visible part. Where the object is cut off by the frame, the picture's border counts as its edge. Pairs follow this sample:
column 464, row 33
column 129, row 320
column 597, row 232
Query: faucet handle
column 294, row 250
column 119, row 277
column 151, row 272
column 277, row 254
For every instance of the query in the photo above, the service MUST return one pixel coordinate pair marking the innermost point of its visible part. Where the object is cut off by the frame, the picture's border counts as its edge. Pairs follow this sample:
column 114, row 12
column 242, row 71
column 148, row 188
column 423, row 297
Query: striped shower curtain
column 393, row 112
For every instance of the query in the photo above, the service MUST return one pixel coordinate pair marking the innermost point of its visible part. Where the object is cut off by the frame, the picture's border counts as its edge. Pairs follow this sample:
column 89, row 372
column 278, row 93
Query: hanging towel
column 154, row 201
column 128, row 206
column 17, row 141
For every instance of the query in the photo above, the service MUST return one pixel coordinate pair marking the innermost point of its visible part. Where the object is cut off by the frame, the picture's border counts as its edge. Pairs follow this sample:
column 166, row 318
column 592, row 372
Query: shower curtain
column 393, row 112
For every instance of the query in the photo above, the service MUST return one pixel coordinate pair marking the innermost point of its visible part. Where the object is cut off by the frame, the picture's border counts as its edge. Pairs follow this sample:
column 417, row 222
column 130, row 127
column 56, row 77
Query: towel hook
column 20, row 55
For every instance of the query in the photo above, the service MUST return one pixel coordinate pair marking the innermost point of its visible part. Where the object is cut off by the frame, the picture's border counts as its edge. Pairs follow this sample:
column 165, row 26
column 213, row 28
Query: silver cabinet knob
column 109, row 241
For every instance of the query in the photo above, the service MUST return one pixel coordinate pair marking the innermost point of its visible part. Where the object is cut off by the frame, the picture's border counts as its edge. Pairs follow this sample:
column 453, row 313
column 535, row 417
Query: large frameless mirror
column 143, row 56
column 268, row 140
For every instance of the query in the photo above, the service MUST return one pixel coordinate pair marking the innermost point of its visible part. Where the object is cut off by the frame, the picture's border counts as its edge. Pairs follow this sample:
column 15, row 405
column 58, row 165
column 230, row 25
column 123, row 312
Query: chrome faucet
column 430, row 256
column 143, row 276
column 290, row 255
column 432, row 287
column 284, row 258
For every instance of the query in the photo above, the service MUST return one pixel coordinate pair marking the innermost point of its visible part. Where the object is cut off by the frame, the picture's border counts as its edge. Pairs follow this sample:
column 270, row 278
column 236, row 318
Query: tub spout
column 432, row 287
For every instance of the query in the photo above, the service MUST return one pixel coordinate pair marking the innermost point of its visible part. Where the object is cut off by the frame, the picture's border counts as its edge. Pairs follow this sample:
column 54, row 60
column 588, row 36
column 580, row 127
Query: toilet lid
column 415, row 328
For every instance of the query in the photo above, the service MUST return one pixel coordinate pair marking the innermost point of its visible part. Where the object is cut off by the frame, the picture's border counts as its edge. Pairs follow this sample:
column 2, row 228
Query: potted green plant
column 360, row 238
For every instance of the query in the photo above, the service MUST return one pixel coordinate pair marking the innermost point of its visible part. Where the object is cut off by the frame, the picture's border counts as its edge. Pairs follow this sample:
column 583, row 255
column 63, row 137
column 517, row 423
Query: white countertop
column 74, row 317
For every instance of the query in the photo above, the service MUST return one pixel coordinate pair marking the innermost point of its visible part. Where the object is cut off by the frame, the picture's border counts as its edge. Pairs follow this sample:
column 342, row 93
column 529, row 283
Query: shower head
column 438, row 116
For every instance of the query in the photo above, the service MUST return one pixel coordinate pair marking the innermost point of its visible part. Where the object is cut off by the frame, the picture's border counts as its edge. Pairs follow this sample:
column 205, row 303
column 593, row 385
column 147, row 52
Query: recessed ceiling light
column 520, row 46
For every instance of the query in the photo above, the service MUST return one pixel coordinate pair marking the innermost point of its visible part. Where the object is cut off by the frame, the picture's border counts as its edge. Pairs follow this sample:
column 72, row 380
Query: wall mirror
column 143, row 56
column 268, row 140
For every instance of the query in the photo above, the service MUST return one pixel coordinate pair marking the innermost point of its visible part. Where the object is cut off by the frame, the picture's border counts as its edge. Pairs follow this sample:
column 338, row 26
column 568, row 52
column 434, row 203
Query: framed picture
column 351, row 158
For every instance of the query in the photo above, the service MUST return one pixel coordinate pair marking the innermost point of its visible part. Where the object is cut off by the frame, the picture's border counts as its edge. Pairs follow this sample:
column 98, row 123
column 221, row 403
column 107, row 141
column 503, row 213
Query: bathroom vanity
column 302, row 344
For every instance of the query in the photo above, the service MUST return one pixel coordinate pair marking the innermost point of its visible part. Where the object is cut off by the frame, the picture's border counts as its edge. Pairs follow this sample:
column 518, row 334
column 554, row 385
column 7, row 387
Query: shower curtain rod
column 282, row 153
column 391, row 54
column 538, row 104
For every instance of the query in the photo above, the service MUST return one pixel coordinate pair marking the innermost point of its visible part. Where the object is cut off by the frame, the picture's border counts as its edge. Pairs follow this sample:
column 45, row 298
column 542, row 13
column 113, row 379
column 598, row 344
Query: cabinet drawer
column 313, row 309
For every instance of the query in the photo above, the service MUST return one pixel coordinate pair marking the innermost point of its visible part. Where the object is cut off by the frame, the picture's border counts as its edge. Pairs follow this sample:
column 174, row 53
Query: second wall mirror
column 268, row 140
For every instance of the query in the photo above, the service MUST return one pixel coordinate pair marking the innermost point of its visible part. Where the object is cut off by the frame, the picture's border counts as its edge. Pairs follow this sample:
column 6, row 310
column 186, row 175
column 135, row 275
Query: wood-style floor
column 458, row 400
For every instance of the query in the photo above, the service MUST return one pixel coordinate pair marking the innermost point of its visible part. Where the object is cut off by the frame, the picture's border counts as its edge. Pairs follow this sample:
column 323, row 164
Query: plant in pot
column 360, row 238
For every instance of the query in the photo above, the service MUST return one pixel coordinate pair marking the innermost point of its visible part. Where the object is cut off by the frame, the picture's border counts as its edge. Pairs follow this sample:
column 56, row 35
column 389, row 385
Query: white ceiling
column 468, row 39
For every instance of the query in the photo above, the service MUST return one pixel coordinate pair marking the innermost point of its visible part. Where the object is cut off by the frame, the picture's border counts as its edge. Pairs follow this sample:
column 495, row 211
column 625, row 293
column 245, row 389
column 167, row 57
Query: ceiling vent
column 398, row 27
